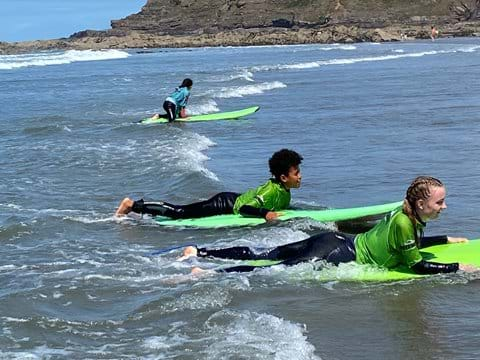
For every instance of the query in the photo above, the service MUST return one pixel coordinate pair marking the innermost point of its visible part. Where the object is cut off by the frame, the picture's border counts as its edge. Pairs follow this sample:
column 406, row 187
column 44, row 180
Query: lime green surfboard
column 327, row 215
column 464, row 253
column 231, row 115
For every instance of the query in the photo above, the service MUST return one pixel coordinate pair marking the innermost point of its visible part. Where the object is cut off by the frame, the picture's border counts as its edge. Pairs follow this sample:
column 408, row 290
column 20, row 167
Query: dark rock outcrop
column 180, row 23
column 193, row 16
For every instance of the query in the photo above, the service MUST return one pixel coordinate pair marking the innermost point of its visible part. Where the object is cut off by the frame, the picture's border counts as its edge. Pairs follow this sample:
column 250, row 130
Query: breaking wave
column 9, row 62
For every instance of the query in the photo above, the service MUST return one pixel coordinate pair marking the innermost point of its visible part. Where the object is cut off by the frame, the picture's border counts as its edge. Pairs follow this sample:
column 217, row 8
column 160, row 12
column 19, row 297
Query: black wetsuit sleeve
column 426, row 267
column 248, row 210
column 427, row 241
column 240, row 268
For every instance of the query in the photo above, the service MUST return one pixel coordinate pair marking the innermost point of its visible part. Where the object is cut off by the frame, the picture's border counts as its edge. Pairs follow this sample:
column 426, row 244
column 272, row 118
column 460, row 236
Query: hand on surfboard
column 272, row 215
column 468, row 268
column 452, row 240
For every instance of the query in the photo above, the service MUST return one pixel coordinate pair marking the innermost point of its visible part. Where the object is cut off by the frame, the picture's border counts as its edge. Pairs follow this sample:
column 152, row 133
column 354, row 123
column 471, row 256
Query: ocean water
column 77, row 283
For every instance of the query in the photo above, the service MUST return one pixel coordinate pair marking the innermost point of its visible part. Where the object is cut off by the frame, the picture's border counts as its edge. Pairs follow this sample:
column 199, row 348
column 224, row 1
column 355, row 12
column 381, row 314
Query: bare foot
column 155, row 117
column 196, row 270
column 188, row 252
column 125, row 207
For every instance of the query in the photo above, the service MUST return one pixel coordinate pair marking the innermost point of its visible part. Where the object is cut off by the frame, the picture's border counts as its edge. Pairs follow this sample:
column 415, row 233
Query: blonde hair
column 419, row 189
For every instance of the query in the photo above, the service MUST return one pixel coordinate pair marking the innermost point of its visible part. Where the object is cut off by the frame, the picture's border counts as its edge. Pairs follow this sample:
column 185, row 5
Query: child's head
column 186, row 83
column 425, row 199
column 285, row 167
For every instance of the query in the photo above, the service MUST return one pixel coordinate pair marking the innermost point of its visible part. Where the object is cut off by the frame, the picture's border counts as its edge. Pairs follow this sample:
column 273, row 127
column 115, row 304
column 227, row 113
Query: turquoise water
column 368, row 118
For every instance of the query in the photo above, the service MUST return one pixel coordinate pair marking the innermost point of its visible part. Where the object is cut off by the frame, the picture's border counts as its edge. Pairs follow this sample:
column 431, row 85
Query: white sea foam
column 64, row 213
column 90, row 220
column 253, row 335
column 40, row 352
column 348, row 61
column 182, row 151
column 240, row 91
column 15, row 320
column 164, row 342
column 9, row 62
column 265, row 238
column 237, row 334
column 189, row 154
column 469, row 48
column 206, row 108
column 242, row 74
column 98, row 277
column 338, row 47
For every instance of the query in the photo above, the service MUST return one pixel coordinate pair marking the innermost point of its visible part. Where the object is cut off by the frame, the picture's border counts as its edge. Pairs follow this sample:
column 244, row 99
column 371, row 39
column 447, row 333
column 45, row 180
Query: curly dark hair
column 282, row 160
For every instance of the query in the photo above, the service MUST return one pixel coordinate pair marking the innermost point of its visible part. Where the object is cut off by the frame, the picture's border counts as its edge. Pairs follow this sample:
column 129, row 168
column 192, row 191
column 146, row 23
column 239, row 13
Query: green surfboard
column 230, row 115
column 464, row 253
column 327, row 215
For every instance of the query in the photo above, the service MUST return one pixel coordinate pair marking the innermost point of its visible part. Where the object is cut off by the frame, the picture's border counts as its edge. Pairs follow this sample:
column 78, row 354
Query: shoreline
column 111, row 39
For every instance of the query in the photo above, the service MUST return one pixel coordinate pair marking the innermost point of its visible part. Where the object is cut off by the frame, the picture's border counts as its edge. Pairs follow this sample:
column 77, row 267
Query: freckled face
column 431, row 208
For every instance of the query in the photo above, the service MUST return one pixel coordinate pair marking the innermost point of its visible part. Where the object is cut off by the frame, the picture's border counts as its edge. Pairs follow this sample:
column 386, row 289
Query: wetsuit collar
column 420, row 220
column 280, row 183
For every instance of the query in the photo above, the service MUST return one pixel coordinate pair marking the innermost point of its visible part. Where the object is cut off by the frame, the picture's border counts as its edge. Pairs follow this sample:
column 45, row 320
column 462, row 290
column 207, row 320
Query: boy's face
column 293, row 179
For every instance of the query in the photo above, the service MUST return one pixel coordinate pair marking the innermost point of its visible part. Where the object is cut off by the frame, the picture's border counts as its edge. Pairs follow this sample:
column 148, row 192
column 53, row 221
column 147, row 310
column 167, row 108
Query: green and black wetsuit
column 332, row 247
column 392, row 243
column 271, row 196
column 389, row 244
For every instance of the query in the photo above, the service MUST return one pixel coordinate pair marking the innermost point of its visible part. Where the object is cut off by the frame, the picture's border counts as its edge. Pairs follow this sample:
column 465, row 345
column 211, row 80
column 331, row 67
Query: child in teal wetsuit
column 175, row 104
column 392, row 242
column 264, row 201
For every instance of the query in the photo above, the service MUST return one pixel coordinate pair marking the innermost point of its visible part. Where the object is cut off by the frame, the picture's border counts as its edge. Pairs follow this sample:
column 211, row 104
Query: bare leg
column 197, row 272
column 125, row 207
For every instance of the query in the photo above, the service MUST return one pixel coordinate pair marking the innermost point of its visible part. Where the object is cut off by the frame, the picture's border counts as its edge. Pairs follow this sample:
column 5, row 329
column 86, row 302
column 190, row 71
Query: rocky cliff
column 199, row 16
column 180, row 23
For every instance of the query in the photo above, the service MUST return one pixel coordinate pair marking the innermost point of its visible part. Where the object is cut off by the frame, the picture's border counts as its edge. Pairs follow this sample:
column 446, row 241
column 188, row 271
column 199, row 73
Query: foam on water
column 208, row 107
column 330, row 47
column 329, row 275
column 262, row 238
column 178, row 150
column 468, row 48
column 241, row 91
column 341, row 47
column 184, row 152
column 229, row 334
column 40, row 352
column 347, row 61
column 8, row 62
column 242, row 74
column 165, row 343
column 190, row 155
column 255, row 335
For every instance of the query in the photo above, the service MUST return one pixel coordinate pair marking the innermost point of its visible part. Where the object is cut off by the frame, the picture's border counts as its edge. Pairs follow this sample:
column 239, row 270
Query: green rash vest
column 390, row 243
column 271, row 196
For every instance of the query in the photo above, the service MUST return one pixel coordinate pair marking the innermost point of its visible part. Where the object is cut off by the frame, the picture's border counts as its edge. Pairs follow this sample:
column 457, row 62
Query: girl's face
column 431, row 208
